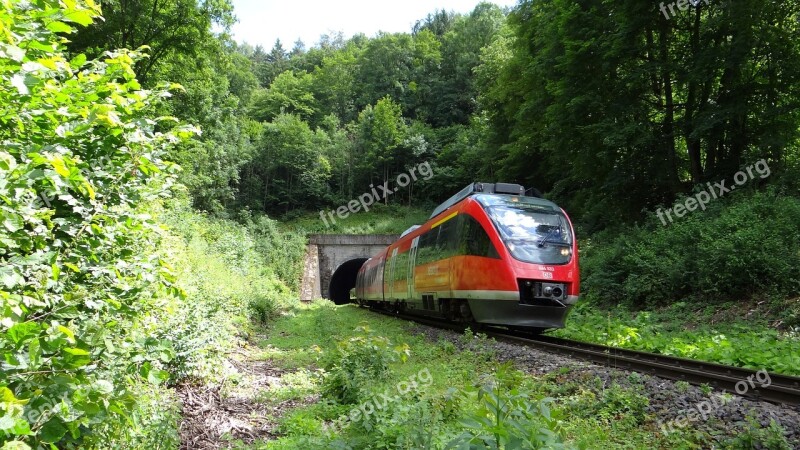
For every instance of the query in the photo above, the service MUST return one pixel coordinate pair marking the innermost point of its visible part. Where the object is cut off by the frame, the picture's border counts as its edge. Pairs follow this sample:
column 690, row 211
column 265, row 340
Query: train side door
column 412, row 258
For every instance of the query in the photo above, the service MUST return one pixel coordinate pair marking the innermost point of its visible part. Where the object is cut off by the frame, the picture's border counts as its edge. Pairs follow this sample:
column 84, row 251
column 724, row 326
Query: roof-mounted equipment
column 479, row 188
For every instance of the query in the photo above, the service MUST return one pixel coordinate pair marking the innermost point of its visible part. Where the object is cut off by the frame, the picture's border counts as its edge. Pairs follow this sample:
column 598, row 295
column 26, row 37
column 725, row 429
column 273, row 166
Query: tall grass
column 231, row 274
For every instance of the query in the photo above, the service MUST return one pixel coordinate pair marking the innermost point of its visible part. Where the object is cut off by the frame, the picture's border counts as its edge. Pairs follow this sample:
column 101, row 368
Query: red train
column 489, row 255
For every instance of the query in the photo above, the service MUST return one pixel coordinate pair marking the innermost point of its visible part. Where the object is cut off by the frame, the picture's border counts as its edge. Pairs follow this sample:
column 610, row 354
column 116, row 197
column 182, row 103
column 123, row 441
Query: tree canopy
column 610, row 107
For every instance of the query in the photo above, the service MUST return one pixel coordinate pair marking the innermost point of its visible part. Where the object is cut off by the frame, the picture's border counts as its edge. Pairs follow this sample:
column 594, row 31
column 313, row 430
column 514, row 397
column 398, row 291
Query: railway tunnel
column 332, row 262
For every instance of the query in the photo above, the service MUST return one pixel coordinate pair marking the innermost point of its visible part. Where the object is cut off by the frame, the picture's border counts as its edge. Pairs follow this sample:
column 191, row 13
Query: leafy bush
column 755, row 436
column 617, row 402
column 80, row 161
column 153, row 424
column 507, row 417
column 281, row 250
column 749, row 246
column 99, row 306
column 262, row 309
column 359, row 362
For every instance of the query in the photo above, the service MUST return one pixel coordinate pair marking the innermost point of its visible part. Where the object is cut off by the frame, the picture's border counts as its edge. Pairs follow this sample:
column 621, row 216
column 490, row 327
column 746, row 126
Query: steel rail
column 780, row 389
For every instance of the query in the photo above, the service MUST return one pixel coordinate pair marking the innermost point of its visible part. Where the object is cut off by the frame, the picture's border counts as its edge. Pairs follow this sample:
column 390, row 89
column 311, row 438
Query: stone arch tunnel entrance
column 332, row 262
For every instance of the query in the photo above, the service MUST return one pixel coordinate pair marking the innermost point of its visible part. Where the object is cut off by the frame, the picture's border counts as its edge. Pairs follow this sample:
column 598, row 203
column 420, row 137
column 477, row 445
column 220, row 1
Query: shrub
column 79, row 160
column 507, row 417
column 753, row 435
column 359, row 362
column 226, row 280
column 263, row 309
column 617, row 403
column 748, row 246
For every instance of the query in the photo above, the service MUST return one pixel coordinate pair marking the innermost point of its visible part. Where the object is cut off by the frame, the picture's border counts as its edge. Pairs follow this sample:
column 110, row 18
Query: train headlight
column 566, row 251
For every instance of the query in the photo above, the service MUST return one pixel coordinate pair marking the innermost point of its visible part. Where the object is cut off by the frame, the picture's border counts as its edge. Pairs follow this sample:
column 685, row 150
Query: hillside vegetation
column 103, row 307
column 146, row 156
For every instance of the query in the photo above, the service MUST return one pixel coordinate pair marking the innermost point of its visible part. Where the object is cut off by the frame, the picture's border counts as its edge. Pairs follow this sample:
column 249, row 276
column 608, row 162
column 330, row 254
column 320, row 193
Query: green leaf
column 22, row 331
column 81, row 17
column 10, row 278
column 18, row 81
column 68, row 332
column 7, row 162
column 12, row 52
column 59, row 27
column 60, row 166
column 157, row 376
column 15, row 425
column 34, row 352
column 104, row 387
column 13, row 222
column 78, row 61
column 76, row 351
column 52, row 431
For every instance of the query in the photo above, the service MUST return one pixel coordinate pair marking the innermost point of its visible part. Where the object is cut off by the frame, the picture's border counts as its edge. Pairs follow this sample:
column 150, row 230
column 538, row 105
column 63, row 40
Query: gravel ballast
column 672, row 405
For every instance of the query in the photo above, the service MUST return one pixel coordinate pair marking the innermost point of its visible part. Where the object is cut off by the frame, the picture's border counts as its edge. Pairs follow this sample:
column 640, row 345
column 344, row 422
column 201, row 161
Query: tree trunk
column 693, row 143
column 669, row 104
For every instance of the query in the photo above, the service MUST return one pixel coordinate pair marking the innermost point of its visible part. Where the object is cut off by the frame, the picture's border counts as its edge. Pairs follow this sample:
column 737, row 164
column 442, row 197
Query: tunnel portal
column 332, row 263
column 343, row 280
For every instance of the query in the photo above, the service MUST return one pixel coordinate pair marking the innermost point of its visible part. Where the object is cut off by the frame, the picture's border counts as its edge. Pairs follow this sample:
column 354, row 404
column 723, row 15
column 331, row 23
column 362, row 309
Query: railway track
column 781, row 389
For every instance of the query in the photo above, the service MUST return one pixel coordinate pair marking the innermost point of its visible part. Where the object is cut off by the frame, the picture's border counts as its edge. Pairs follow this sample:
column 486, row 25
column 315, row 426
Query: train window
column 534, row 232
column 400, row 267
column 447, row 241
column 439, row 243
column 426, row 249
column 474, row 240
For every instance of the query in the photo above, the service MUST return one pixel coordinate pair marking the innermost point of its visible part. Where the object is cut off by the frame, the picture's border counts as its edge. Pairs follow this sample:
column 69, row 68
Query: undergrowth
column 683, row 330
column 224, row 274
column 741, row 248
column 447, row 394
column 381, row 219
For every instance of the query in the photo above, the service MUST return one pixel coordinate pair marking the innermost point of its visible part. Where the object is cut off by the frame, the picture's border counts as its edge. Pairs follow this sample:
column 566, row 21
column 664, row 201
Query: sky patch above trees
column 262, row 22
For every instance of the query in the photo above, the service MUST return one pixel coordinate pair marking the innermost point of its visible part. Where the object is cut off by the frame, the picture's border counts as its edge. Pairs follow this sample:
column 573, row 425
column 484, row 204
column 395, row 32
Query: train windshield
column 533, row 231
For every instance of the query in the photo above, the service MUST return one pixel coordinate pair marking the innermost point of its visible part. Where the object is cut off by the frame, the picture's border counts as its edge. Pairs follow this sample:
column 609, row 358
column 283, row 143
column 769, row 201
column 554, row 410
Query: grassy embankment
column 234, row 276
column 350, row 359
column 355, row 379
column 381, row 219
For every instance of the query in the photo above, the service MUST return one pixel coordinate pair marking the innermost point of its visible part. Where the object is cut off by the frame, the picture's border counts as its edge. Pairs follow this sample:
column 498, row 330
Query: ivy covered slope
column 92, row 317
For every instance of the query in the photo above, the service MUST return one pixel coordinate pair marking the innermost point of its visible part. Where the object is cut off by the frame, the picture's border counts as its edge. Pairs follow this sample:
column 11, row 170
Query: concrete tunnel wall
column 339, row 256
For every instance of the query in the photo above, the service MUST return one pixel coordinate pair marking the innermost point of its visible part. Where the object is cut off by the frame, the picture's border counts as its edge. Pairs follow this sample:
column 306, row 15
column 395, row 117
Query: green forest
column 609, row 108
column 158, row 180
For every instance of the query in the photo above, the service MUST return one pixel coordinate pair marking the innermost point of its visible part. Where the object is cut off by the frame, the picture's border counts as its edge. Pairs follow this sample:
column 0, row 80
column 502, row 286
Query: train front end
column 537, row 244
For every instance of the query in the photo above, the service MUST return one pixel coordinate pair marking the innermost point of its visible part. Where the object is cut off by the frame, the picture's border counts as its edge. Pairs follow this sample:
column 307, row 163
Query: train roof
column 487, row 200
column 482, row 188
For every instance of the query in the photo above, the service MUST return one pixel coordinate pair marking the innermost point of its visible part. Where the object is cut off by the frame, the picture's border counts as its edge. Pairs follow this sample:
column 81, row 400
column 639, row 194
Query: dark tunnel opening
column 344, row 279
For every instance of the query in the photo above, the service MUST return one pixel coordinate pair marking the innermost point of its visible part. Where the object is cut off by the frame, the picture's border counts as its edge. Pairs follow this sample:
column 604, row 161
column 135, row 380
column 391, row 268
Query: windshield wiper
column 544, row 239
